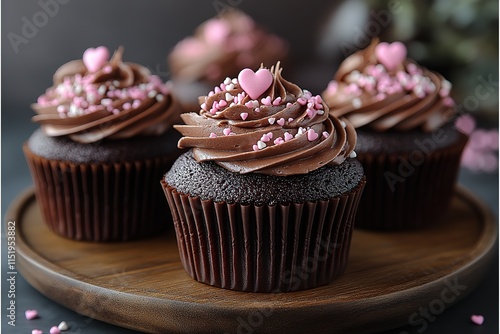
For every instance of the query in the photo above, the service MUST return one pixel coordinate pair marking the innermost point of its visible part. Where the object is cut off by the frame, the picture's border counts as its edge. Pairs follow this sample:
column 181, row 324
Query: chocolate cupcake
column 408, row 146
column 103, row 142
column 219, row 48
column 265, row 199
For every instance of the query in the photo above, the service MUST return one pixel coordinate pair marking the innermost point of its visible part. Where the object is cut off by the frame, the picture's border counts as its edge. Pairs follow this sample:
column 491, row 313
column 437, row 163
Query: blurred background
column 457, row 38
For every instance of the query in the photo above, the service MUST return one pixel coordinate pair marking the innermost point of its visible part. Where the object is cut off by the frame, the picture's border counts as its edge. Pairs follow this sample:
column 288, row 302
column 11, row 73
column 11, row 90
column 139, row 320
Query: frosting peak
column 284, row 131
column 380, row 89
column 96, row 98
column 221, row 46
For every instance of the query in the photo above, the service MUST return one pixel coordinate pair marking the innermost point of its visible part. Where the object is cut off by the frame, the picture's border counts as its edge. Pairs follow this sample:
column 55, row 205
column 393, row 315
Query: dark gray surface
column 148, row 30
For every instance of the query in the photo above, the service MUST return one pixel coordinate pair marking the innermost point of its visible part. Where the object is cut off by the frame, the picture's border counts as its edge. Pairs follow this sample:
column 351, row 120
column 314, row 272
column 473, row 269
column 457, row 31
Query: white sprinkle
column 354, row 76
column 261, row 144
column 353, row 155
column 343, row 124
column 61, row 109
column 227, row 81
column 380, row 67
column 356, row 103
column 446, row 84
column 230, row 87
column 320, row 112
column 116, row 83
column 152, row 93
column 159, row 97
column 63, row 326
column 102, row 89
column 232, row 104
column 229, row 97
column 235, row 81
column 301, row 131
column 271, row 120
column 106, row 102
column 78, row 89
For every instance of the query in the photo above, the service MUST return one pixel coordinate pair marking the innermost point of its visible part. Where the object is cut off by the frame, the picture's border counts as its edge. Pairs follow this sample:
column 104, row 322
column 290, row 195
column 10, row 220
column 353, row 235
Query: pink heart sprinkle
column 265, row 138
column 212, row 135
column 477, row 319
column 255, row 83
column 278, row 141
column 94, row 59
column 244, row 115
column 281, row 121
column 255, row 147
column 391, row 55
column 31, row 314
column 312, row 135
column 302, row 101
column 325, row 134
column 54, row 330
column 226, row 131
column 266, row 101
column 36, row 331
column 288, row 136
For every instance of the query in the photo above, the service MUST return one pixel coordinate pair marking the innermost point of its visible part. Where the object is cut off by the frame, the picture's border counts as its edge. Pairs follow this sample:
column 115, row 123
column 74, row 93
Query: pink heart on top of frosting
column 391, row 55
column 216, row 31
column 255, row 83
column 94, row 59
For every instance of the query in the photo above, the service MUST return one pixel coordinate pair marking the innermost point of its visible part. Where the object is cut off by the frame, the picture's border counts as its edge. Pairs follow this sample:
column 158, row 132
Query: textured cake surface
column 211, row 181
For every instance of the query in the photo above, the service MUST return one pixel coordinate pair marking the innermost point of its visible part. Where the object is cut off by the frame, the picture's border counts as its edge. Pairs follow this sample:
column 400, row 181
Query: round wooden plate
column 142, row 285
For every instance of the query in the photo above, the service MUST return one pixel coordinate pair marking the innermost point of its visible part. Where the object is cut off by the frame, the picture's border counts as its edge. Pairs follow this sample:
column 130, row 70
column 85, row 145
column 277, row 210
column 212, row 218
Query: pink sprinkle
column 255, row 147
column 265, row 138
column 31, row 314
column 466, row 124
column 110, row 93
column 353, row 89
column 61, row 109
column 307, row 94
column 127, row 105
column 290, row 120
column 226, row 131
column 116, row 111
column 277, row 101
column 213, row 111
column 217, row 90
column 312, row 135
column 281, row 121
column 222, row 86
column 136, row 104
column 288, row 105
column 257, row 109
column 477, row 319
column 278, row 141
column 302, row 101
column 211, row 93
column 36, row 331
column 288, row 136
column 204, row 106
column 325, row 134
column 270, row 135
column 107, row 69
column 54, row 330
column 213, row 135
column 311, row 112
column 222, row 103
column 244, row 115
column 448, row 102
column 413, row 69
column 332, row 87
column 380, row 97
column 109, row 108
column 249, row 104
column 266, row 101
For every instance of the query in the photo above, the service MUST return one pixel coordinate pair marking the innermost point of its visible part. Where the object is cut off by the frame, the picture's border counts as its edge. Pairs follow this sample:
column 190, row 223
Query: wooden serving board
column 142, row 285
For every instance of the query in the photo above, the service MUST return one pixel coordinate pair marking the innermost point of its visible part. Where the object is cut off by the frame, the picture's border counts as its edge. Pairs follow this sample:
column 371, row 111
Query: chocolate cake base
column 410, row 177
column 111, row 195
column 260, row 244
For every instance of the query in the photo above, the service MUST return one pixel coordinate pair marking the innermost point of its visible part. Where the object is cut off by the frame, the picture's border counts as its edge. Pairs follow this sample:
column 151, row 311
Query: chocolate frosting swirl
column 223, row 45
column 285, row 131
column 381, row 97
column 119, row 100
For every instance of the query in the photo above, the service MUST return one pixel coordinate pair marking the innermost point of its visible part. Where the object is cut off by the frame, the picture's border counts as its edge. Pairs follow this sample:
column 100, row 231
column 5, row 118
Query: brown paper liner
column 268, row 248
column 418, row 199
column 100, row 201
